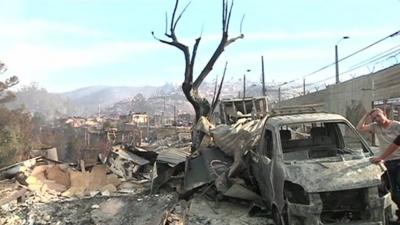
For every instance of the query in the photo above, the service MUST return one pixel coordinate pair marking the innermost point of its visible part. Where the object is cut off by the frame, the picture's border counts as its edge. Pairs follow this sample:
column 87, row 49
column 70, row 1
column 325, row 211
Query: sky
column 69, row 44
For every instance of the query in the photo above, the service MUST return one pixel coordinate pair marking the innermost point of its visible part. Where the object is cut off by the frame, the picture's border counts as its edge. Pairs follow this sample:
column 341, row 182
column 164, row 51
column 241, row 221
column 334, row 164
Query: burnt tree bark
column 190, row 87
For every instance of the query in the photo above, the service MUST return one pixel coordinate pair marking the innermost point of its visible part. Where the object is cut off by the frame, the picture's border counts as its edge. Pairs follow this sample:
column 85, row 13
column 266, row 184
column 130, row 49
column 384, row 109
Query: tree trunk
column 200, row 105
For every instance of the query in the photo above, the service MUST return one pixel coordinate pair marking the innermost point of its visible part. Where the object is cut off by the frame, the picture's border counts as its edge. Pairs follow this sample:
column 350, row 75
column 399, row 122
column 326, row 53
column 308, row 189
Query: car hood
column 334, row 176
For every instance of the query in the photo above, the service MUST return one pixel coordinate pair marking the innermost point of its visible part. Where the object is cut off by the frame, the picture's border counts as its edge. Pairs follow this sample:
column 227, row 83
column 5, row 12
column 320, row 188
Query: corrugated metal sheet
column 173, row 156
column 231, row 138
column 132, row 157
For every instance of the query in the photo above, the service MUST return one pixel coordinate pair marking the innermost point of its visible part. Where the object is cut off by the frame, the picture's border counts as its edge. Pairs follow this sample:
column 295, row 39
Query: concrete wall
column 354, row 97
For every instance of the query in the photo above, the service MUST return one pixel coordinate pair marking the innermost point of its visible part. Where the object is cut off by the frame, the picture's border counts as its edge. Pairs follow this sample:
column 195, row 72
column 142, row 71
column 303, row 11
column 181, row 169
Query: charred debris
column 288, row 166
column 95, row 159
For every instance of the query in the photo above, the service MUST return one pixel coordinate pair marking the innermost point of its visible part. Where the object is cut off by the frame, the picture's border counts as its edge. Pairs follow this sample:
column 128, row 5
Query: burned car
column 313, row 168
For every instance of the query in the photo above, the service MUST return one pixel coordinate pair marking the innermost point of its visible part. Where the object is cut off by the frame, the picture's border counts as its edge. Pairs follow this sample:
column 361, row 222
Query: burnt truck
column 313, row 168
column 305, row 166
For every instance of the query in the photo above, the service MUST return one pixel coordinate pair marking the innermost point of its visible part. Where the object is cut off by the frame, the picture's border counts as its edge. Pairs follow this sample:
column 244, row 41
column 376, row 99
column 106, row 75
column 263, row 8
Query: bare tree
column 191, row 86
column 6, row 95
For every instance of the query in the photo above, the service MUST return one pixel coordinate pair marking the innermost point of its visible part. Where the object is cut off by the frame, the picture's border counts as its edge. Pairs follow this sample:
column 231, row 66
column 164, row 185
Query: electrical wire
column 397, row 47
column 352, row 54
column 388, row 55
column 356, row 66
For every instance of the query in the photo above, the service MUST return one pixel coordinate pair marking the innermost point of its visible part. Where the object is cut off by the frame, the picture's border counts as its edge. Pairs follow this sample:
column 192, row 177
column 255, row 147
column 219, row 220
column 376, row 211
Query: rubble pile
column 127, row 185
column 199, row 211
column 55, row 193
column 61, row 180
column 115, row 210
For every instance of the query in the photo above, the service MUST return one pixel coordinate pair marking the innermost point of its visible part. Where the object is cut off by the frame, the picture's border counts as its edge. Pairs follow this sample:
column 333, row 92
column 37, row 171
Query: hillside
column 166, row 99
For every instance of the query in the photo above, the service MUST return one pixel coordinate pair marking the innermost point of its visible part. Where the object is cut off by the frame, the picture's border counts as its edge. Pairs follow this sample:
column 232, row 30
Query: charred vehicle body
column 301, row 166
column 313, row 168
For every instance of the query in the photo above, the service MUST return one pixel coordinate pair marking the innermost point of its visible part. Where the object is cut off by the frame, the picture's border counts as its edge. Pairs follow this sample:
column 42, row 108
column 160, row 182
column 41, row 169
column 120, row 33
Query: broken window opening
column 304, row 141
column 269, row 143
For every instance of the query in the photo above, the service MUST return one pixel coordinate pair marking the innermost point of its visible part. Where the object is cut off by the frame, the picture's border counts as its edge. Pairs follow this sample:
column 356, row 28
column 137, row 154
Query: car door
column 262, row 164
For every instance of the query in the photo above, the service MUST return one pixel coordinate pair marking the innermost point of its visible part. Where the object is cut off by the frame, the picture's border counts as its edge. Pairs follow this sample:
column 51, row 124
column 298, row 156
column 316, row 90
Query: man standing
column 386, row 131
column 389, row 150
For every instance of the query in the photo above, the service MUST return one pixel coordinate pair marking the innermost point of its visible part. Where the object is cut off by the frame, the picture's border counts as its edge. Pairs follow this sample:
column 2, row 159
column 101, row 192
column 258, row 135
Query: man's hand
column 362, row 125
column 376, row 160
column 368, row 119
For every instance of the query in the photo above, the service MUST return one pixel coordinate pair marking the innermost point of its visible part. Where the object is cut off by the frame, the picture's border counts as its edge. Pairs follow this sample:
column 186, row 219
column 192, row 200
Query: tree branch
column 171, row 27
column 190, row 88
column 214, row 102
column 180, row 15
column 215, row 91
column 230, row 41
column 173, row 43
column 12, row 81
column 194, row 53
column 229, row 16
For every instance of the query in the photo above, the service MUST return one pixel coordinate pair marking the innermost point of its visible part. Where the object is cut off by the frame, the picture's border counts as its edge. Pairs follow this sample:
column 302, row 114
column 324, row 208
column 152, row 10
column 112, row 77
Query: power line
column 356, row 52
column 372, row 59
column 368, row 46
column 369, row 60
column 393, row 53
column 316, row 82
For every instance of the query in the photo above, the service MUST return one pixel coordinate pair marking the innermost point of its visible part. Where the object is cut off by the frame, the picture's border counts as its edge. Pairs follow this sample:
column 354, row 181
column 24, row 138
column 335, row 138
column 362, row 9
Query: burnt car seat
column 322, row 144
column 320, row 137
column 285, row 135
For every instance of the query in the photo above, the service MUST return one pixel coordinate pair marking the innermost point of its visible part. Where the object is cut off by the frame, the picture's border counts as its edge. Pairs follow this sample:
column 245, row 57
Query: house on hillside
column 140, row 119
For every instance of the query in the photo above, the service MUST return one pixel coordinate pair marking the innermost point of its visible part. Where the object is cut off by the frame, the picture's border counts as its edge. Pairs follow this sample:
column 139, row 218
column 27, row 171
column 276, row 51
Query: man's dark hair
column 375, row 109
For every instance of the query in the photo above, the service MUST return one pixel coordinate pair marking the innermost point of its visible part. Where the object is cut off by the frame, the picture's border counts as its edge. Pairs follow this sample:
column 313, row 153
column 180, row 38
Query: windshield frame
column 366, row 149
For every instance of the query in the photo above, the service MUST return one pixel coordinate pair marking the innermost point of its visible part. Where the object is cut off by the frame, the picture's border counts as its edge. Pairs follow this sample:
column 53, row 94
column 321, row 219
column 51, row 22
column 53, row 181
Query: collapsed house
column 118, row 175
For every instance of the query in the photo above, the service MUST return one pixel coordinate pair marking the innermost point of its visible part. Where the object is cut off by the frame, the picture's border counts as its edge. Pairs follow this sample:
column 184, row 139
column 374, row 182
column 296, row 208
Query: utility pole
column 304, row 86
column 279, row 94
column 337, row 58
column 336, row 65
column 279, row 91
column 163, row 115
column 264, row 91
column 244, row 85
column 99, row 112
column 175, row 115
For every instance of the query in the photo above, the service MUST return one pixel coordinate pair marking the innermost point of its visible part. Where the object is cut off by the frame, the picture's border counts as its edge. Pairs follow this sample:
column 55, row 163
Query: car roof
column 277, row 120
